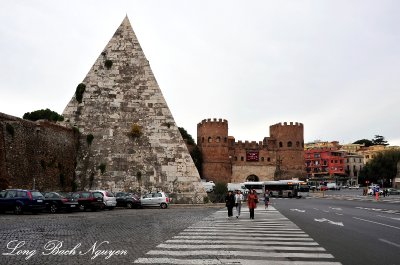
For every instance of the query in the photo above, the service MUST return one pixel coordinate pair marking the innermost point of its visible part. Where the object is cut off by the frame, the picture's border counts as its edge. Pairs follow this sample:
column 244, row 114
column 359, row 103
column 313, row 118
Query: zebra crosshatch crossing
column 270, row 238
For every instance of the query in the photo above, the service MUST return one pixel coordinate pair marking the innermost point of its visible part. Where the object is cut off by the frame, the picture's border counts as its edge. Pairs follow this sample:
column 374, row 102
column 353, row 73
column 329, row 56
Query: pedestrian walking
column 252, row 201
column 266, row 199
column 230, row 202
column 238, row 202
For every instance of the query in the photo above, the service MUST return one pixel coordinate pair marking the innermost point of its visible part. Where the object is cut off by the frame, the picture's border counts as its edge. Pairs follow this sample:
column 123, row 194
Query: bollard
column 377, row 195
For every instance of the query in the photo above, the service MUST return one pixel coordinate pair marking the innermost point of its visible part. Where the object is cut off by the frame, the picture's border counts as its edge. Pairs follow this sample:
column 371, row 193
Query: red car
column 89, row 200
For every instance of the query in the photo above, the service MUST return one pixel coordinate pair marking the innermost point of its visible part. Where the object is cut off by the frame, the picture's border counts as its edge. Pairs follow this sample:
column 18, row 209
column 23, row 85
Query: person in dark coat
column 230, row 203
column 252, row 201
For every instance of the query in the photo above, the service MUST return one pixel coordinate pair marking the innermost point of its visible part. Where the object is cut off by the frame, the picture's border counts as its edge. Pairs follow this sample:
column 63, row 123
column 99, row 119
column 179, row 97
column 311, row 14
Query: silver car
column 159, row 199
column 109, row 199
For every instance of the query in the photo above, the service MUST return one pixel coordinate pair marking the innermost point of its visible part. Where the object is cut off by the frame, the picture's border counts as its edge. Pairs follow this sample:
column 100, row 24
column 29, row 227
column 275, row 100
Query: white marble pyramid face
column 135, row 139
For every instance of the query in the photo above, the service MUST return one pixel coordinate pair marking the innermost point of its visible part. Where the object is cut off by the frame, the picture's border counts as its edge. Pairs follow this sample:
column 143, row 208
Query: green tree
column 379, row 140
column 383, row 167
column 43, row 114
column 219, row 193
column 186, row 136
column 194, row 150
column 366, row 142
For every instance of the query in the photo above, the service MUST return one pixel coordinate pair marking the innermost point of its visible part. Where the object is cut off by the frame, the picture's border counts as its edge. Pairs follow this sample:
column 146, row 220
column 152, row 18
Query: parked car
column 128, row 200
column 109, row 199
column 19, row 201
column 89, row 200
column 373, row 189
column 159, row 199
column 392, row 191
column 57, row 201
column 355, row 187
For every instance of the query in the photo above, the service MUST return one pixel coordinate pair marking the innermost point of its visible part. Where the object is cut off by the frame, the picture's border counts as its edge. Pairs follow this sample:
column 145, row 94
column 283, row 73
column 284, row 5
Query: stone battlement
column 248, row 144
column 213, row 122
column 297, row 124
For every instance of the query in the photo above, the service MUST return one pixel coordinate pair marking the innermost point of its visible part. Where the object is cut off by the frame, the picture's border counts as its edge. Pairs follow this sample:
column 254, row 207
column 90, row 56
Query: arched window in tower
column 297, row 144
column 280, row 144
column 289, row 144
column 225, row 140
column 209, row 139
column 202, row 139
column 218, row 139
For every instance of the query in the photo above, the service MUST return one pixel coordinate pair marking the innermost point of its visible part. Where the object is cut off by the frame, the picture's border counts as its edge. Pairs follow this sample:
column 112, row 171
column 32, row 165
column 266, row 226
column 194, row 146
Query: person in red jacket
column 252, row 201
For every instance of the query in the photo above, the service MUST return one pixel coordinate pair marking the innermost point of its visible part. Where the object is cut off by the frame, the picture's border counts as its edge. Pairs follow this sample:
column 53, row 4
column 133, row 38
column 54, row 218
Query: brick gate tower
column 212, row 139
column 289, row 146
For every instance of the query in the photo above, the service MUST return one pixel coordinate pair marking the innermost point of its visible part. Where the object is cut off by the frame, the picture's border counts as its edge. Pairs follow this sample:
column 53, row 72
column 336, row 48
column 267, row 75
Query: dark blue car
column 19, row 201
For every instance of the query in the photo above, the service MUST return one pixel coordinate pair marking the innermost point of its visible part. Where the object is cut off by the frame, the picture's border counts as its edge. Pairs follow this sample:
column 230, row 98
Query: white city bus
column 258, row 186
column 286, row 188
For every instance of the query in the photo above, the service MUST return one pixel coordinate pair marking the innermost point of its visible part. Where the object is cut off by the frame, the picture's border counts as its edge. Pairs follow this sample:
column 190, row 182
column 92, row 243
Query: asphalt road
column 354, row 231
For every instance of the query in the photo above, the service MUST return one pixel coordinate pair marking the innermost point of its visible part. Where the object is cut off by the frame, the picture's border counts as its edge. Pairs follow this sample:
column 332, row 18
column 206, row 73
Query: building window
column 280, row 144
column 262, row 158
column 235, row 158
column 241, row 158
column 202, row 139
column 268, row 159
column 225, row 140
column 218, row 139
column 289, row 144
column 297, row 144
column 209, row 139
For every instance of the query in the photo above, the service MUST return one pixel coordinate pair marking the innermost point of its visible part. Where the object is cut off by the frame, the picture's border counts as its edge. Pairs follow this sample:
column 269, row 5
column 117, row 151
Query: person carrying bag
column 252, row 201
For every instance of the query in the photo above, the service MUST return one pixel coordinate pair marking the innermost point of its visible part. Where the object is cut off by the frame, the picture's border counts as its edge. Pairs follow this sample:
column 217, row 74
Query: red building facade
column 324, row 164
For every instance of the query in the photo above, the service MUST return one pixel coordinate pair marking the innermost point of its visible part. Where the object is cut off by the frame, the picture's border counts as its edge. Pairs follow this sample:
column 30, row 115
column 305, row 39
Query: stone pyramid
column 129, row 139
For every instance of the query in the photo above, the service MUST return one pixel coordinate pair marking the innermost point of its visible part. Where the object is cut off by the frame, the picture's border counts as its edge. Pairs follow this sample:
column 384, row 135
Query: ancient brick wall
column 40, row 154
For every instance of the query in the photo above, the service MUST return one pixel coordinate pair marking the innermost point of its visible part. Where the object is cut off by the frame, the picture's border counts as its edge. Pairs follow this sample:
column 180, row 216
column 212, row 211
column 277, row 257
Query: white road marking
column 329, row 221
column 394, row 218
column 264, row 254
column 229, row 262
column 395, row 227
column 240, row 246
column 242, row 241
column 269, row 239
column 243, row 233
column 389, row 242
column 297, row 210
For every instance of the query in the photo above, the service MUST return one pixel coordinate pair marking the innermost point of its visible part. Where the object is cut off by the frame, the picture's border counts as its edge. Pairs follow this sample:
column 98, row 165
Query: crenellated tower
column 288, row 142
column 212, row 139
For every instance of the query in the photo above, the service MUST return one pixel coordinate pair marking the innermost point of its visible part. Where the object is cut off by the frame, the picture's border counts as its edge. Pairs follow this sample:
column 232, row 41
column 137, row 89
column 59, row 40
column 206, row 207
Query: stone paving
column 135, row 231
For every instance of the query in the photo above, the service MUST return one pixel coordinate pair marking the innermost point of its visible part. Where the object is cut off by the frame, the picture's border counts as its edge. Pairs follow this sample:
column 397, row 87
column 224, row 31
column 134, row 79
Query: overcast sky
column 332, row 65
